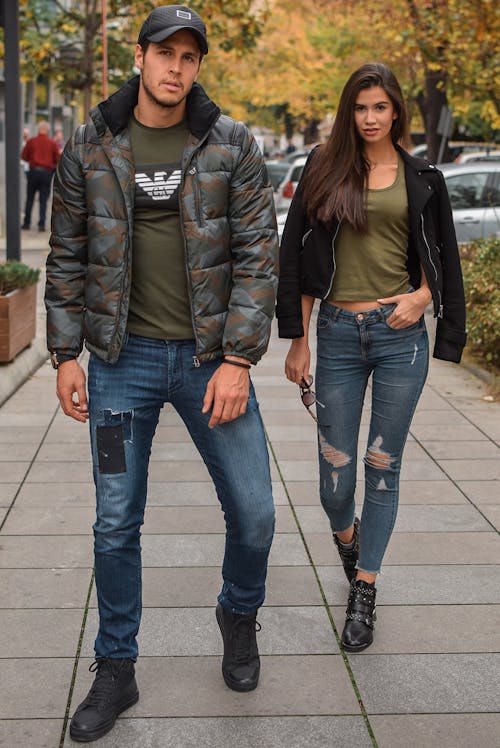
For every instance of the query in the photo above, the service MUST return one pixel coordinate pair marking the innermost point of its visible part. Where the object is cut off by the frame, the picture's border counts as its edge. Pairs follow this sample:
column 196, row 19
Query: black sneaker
column 241, row 663
column 114, row 690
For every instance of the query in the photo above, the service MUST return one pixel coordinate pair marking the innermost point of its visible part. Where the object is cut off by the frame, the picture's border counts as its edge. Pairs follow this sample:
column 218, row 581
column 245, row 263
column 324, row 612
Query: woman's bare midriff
column 356, row 306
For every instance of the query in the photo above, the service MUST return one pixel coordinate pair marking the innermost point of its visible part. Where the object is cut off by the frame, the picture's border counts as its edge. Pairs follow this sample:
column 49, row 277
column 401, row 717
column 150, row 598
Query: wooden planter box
column 17, row 321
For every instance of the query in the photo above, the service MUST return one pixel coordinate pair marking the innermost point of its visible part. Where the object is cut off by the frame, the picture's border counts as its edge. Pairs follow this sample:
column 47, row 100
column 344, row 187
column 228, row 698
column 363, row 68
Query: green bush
column 15, row 274
column 481, row 269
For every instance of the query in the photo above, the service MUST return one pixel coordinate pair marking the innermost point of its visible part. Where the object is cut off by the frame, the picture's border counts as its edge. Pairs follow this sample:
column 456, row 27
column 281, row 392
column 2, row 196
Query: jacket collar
column 419, row 183
column 114, row 113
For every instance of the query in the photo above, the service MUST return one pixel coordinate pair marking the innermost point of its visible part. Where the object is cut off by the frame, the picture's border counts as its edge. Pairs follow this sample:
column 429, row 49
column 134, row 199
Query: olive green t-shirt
column 373, row 265
column 159, row 299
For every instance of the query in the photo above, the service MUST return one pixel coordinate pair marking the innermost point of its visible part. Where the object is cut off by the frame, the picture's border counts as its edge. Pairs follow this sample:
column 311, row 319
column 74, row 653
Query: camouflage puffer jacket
column 228, row 221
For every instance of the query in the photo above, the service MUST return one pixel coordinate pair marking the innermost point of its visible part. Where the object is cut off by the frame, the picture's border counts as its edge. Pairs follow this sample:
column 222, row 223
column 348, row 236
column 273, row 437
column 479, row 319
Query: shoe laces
column 242, row 634
column 100, row 692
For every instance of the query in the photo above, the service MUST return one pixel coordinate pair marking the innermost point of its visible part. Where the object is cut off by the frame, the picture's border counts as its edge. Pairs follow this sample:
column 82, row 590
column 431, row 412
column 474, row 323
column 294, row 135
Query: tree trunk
column 311, row 132
column 430, row 106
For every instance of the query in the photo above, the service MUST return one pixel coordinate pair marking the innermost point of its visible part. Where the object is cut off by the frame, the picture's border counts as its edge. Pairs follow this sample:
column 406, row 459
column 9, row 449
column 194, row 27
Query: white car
column 288, row 184
column 474, row 190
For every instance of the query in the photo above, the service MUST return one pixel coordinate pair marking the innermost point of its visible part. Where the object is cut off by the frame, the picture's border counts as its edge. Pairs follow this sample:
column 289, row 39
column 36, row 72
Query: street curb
column 482, row 374
column 26, row 363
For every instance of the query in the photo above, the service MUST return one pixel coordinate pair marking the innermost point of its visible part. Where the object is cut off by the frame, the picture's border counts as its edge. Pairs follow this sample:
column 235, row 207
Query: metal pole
column 104, row 53
column 12, row 129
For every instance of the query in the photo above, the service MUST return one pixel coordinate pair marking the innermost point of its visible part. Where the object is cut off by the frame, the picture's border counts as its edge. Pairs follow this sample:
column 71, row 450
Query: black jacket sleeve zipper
column 440, row 305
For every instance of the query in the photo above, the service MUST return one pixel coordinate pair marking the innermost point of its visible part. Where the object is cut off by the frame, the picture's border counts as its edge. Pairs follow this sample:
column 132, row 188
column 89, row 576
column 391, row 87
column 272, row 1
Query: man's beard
column 154, row 100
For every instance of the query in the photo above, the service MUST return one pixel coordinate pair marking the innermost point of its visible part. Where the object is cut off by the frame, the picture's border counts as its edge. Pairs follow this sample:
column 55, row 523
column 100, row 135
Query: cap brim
column 160, row 36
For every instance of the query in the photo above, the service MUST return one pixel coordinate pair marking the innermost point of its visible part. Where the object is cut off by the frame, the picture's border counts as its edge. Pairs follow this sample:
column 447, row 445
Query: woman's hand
column 409, row 307
column 298, row 361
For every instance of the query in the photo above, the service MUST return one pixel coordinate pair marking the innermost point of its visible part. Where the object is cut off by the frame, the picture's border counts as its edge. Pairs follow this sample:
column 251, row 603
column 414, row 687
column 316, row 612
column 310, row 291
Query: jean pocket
column 322, row 322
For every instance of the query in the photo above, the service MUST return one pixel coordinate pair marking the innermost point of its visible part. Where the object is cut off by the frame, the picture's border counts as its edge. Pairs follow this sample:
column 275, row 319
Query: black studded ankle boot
column 349, row 556
column 360, row 616
column 241, row 663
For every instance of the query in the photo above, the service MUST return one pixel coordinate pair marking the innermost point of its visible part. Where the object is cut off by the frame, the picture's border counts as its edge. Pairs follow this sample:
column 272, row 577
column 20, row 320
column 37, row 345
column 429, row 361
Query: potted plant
column 17, row 307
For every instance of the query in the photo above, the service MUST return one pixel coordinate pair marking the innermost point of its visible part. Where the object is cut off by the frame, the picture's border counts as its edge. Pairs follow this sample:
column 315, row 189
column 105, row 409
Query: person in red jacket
column 41, row 153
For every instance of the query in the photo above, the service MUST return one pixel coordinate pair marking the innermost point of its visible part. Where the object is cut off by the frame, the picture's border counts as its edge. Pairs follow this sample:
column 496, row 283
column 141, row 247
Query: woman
column 370, row 233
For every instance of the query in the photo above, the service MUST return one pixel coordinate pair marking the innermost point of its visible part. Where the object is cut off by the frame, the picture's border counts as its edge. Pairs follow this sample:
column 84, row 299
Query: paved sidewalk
column 431, row 678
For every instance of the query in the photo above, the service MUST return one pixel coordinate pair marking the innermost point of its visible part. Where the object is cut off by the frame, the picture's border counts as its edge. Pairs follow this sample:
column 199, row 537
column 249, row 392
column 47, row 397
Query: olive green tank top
column 373, row 265
column 159, row 298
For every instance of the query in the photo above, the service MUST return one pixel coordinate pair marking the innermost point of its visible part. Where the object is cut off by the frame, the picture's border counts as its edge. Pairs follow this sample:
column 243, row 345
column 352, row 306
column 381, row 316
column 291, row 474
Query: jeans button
column 359, row 317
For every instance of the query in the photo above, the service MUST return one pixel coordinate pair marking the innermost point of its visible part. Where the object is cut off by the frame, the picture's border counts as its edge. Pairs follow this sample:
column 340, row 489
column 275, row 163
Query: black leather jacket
column 307, row 258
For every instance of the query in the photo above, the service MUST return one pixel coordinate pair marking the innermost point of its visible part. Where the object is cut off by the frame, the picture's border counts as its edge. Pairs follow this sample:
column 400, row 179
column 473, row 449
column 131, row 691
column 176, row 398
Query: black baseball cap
column 166, row 20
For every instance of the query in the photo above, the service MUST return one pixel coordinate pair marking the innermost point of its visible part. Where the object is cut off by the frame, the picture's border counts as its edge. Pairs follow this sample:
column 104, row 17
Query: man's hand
column 227, row 393
column 71, row 381
column 409, row 307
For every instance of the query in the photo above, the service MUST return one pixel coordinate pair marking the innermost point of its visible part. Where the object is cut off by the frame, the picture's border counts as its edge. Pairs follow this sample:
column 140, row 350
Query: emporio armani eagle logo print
column 158, row 185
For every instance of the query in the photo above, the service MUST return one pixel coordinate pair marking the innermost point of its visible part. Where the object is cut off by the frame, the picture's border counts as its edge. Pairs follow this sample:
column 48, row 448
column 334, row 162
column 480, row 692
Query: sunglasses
column 308, row 397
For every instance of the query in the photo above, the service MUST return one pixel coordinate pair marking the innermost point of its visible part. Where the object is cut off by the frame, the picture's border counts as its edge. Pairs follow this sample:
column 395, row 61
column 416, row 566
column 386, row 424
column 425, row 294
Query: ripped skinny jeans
column 350, row 347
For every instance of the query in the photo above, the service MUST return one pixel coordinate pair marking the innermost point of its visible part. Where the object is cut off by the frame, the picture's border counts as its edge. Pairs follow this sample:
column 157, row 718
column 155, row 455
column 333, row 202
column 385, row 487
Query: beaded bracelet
column 236, row 363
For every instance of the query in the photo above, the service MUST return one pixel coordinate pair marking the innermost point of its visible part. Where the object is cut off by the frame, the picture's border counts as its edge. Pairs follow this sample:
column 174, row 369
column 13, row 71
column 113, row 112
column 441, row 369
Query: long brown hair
column 335, row 182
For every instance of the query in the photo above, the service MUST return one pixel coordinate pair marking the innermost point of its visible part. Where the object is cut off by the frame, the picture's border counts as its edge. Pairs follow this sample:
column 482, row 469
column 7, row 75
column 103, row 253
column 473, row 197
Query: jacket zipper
column 197, row 197
column 334, row 261
column 440, row 310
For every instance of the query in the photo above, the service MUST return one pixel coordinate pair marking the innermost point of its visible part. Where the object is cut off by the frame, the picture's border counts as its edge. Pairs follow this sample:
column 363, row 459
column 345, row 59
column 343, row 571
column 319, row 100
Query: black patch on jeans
column 110, row 449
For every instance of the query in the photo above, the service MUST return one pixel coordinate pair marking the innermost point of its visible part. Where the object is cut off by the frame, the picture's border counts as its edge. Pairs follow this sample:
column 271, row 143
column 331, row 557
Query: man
column 41, row 153
column 171, row 283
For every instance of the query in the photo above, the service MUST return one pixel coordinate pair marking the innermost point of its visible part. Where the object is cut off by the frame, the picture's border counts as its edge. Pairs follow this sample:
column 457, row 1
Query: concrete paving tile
column 479, row 491
column 421, row 548
column 199, row 586
column 77, row 451
column 286, row 404
column 304, row 432
column 69, row 433
column 44, row 588
column 411, row 518
column 7, row 493
column 269, row 732
column 471, row 469
column 21, row 420
column 424, row 629
column 193, row 687
column 20, row 435
column 46, row 552
column 275, row 417
column 209, row 519
column 49, row 520
column 42, row 733
column 208, row 550
column 29, row 633
column 174, row 451
column 431, row 730
column 428, row 492
column 402, row 684
column 13, row 472
column 56, row 495
column 462, row 450
column 17, row 452
column 79, row 471
column 457, row 432
column 38, row 688
column 489, row 425
column 492, row 514
column 193, row 632
column 3, row 514
column 438, row 418
column 422, row 585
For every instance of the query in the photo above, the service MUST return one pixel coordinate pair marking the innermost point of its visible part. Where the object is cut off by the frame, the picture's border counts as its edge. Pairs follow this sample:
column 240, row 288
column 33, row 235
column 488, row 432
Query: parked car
column 474, row 190
column 466, row 158
column 289, row 184
column 277, row 170
column 456, row 150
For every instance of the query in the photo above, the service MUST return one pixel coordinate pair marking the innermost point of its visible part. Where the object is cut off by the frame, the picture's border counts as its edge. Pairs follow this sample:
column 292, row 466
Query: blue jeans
column 124, row 403
column 350, row 347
